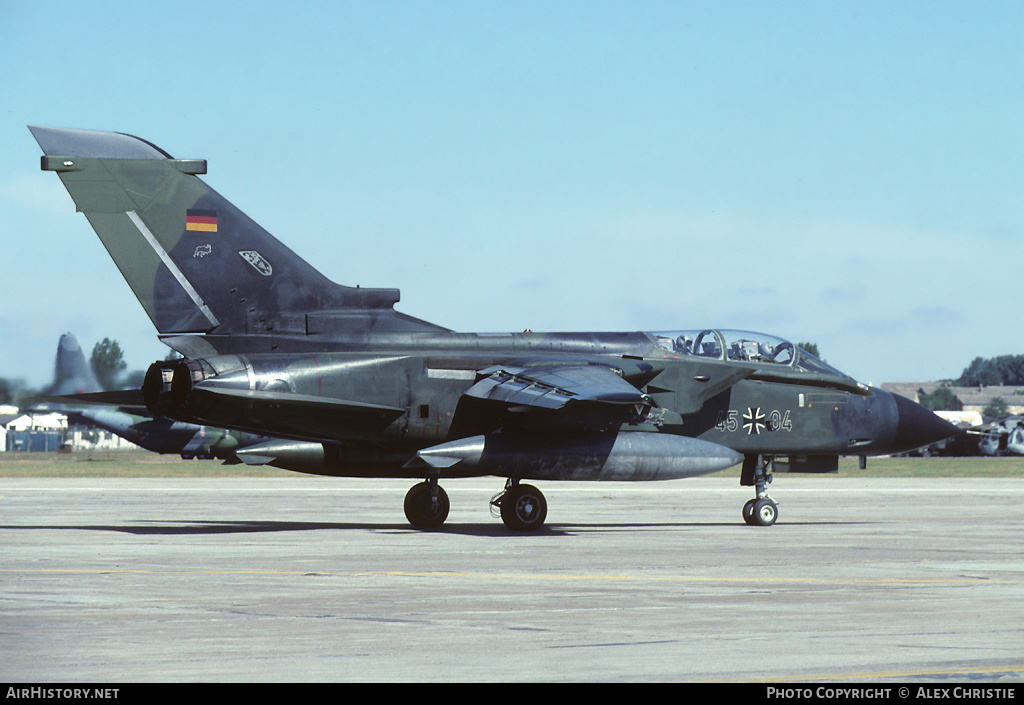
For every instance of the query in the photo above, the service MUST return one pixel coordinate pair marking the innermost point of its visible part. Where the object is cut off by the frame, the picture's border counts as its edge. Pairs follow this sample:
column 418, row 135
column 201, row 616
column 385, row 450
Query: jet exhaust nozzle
column 187, row 374
column 156, row 388
column 168, row 389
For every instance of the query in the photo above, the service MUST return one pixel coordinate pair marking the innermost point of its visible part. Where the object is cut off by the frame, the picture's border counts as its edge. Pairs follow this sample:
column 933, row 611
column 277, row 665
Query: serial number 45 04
column 753, row 421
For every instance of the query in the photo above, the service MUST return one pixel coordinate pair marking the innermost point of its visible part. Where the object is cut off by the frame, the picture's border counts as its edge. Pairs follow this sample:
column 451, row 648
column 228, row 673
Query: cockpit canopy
column 742, row 346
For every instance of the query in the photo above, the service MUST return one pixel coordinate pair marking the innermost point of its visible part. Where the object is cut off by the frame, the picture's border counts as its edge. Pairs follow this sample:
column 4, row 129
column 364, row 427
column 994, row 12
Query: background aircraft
column 1003, row 437
column 353, row 387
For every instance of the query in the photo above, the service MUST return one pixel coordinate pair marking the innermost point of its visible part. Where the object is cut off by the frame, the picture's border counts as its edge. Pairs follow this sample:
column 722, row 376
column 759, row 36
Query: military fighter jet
column 76, row 381
column 351, row 387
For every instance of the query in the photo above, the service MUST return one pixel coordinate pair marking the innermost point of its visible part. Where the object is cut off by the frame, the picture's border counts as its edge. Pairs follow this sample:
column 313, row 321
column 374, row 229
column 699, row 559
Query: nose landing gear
column 762, row 510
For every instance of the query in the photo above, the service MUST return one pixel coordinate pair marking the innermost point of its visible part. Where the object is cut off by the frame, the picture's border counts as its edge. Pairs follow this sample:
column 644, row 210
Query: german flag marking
column 201, row 220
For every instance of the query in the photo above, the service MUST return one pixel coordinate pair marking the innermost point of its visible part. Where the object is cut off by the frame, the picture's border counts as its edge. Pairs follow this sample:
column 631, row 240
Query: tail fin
column 72, row 374
column 198, row 265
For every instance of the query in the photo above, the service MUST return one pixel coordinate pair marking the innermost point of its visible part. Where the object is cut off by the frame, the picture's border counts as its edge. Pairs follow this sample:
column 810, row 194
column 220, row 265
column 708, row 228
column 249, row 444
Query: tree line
column 1005, row 369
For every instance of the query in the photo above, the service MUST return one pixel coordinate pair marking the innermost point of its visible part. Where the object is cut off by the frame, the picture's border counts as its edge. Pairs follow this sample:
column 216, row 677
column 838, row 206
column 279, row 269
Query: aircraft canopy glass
column 742, row 346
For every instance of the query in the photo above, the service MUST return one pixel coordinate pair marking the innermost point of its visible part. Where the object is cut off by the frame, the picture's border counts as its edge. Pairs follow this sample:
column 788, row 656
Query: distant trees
column 996, row 409
column 1005, row 369
column 14, row 391
column 942, row 399
column 107, row 362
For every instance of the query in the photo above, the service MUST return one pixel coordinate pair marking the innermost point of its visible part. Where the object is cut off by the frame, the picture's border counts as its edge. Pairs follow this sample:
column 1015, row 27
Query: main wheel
column 523, row 508
column 748, row 512
column 423, row 508
column 764, row 512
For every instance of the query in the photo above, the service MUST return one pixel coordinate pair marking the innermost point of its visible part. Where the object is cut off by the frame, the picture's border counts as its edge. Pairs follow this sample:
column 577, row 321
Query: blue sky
column 849, row 173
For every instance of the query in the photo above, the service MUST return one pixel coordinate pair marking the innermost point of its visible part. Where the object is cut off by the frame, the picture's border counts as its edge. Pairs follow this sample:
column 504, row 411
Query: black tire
column 748, row 512
column 421, row 510
column 523, row 508
column 764, row 512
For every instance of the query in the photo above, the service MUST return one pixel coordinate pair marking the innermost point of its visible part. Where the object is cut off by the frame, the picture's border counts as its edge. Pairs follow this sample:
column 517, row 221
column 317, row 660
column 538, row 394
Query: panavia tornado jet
column 348, row 386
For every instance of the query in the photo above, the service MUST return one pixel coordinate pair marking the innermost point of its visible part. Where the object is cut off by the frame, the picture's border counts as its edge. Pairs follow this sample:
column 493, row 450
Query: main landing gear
column 522, row 507
column 760, row 511
column 426, row 505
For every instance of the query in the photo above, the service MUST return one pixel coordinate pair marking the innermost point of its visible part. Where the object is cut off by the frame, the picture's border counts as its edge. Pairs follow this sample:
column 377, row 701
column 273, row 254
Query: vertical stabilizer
column 72, row 373
column 196, row 263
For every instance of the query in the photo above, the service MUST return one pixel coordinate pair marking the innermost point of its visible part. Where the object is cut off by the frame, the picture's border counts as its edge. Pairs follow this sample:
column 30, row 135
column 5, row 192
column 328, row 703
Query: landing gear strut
column 522, row 507
column 760, row 511
column 426, row 505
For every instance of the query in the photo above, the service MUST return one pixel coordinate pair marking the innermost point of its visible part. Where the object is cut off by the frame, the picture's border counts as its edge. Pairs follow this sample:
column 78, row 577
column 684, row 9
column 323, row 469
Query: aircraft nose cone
column 917, row 426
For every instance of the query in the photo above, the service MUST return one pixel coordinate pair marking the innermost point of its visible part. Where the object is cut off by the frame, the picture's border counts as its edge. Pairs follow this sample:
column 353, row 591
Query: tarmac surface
column 321, row 579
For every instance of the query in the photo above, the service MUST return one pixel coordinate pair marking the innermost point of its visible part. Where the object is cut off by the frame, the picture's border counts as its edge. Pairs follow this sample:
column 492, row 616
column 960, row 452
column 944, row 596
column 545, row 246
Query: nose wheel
column 760, row 512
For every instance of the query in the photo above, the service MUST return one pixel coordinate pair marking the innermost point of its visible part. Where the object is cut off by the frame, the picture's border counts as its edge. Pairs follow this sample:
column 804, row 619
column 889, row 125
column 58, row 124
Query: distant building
column 49, row 431
column 977, row 398
column 88, row 438
column 967, row 398
column 7, row 414
column 35, row 432
column 47, row 421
